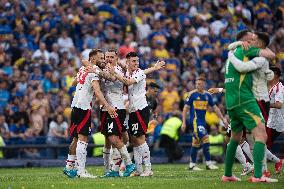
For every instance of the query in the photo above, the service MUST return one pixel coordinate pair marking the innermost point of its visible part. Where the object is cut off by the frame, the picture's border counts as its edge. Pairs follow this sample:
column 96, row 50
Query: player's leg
column 247, row 167
column 253, row 121
column 138, row 127
column 107, row 155
column 279, row 163
column 69, row 169
column 107, row 147
column 83, row 130
column 236, row 136
column 193, row 153
column 202, row 133
column 246, row 149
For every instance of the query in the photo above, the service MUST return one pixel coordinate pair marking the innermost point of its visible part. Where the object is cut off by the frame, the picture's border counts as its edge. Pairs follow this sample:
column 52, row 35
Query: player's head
column 277, row 72
column 200, row 83
column 111, row 56
column 262, row 40
column 132, row 60
column 97, row 57
column 153, row 89
column 244, row 35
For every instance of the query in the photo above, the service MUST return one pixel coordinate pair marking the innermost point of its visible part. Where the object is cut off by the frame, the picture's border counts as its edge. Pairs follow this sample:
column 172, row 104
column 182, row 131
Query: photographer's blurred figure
column 216, row 150
column 169, row 137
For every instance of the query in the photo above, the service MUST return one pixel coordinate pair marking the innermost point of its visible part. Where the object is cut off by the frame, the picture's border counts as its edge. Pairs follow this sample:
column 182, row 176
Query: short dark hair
column 264, row 37
column 131, row 54
column 276, row 70
column 94, row 52
column 241, row 34
column 154, row 85
column 112, row 50
column 201, row 77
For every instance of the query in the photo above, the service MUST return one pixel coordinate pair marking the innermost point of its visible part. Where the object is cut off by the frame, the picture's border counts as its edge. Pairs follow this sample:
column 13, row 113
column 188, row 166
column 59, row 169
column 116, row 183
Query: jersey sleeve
column 189, row 100
column 210, row 100
column 139, row 76
column 93, row 77
column 251, row 52
column 279, row 95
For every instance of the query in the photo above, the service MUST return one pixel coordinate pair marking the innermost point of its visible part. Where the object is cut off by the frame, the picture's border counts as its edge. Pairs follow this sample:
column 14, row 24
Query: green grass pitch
column 167, row 176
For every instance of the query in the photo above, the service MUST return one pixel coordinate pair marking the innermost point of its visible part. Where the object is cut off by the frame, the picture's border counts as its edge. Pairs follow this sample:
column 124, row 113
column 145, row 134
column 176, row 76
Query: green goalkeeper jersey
column 239, row 86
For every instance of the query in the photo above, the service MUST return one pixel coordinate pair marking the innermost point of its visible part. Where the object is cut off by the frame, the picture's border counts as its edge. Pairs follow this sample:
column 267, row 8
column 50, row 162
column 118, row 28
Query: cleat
column 262, row 179
column 85, row 174
column 71, row 173
column 194, row 168
column 135, row 174
column 111, row 174
column 247, row 170
column 129, row 169
column 266, row 174
column 278, row 166
column 147, row 174
column 211, row 167
column 230, row 179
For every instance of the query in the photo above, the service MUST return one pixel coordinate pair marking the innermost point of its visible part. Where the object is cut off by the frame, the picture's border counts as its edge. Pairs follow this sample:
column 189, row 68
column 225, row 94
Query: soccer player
column 244, row 111
column 261, row 76
column 87, row 84
column 197, row 102
column 275, row 122
column 113, row 128
column 138, row 110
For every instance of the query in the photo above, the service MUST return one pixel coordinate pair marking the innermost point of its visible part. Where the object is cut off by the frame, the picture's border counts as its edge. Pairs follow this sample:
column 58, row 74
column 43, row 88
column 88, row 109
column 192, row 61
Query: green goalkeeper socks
column 258, row 154
column 230, row 157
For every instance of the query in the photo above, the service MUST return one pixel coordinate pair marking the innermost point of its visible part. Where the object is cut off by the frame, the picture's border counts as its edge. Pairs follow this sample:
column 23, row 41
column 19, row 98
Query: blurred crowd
column 41, row 42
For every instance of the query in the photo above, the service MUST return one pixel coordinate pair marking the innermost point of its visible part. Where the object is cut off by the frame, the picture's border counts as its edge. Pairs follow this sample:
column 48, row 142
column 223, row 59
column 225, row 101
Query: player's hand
column 183, row 127
column 213, row 90
column 111, row 111
column 226, row 123
column 110, row 69
column 159, row 65
column 245, row 45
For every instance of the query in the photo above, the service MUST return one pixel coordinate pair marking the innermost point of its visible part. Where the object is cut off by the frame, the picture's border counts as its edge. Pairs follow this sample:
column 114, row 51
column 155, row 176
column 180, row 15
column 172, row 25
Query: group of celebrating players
column 104, row 77
column 252, row 101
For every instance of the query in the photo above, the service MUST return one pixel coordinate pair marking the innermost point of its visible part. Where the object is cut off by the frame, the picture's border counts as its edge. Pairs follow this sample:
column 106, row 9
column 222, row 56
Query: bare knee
column 83, row 138
column 259, row 133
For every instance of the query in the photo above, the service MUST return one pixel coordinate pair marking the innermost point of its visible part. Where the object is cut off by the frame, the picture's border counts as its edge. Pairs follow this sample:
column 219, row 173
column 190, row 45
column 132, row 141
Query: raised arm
column 157, row 66
column 267, row 53
column 234, row 45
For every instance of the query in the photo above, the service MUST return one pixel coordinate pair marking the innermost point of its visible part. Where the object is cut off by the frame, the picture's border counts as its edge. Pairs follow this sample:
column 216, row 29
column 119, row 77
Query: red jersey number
column 81, row 76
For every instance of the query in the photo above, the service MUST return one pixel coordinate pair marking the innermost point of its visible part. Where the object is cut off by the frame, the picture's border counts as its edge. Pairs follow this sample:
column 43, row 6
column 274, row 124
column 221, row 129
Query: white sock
column 264, row 161
column 271, row 156
column 138, row 159
column 70, row 161
column 146, row 158
column 208, row 163
column 116, row 158
column 81, row 153
column 106, row 156
column 246, row 149
column 240, row 156
column 125, row 155
column 192, row 164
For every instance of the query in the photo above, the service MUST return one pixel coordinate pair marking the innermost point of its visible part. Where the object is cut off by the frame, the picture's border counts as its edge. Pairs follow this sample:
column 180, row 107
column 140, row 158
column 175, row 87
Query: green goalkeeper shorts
column 247, row 115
